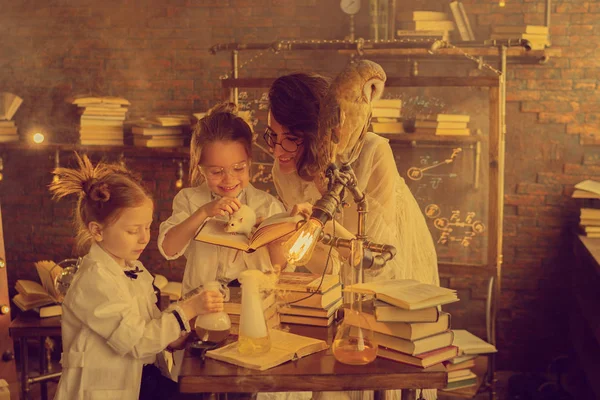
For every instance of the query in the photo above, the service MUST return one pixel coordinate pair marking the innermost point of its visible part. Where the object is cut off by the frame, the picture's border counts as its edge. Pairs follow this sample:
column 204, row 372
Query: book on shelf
column 85, row 100
column 406, row 330
column 101, row 142
column 169, row 120
column 446, row 25
column 272, row 228
column 378, row 112
column 304, row 320
column 423, row 360
column 590, row 186
column 469, row 344
column 462, row 20
column 234, row 305
column 414, row 347
column 583, row 194
column 311, row 312
column 53, row 310
column 9, row 104
column 421, row 15
column 385, row 312
column 285, row 347
column 171, row 288
column 425, row 35
column 159, row 141
column 406, row 293
column 587, row 229
column 387, row 127
column 462, row 365
column 91, row 135
column 586, row 213
column 306, row 282
column 395, row 104
column 444, row 117
column 32, row 294
column 440, row 125
column 465, row 380
column 462, row 359
column 9, row 138
column 444, row 131
column 156, row 131
column 319, row 300
column 589, row 222
column 534, row 29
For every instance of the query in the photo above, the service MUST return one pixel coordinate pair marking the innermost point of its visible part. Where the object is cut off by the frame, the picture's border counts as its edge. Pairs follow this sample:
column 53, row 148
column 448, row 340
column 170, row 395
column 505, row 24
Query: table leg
column 43, row 369
column 24, row 369
column 409, row 394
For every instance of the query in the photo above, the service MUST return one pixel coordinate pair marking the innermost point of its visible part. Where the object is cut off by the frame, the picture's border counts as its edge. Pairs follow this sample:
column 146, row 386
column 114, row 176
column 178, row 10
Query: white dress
column 205, row 261
column 111, row 327
column 393, row 217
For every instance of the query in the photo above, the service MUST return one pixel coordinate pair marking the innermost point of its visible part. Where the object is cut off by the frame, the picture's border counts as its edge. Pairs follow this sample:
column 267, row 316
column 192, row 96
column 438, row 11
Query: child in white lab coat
column 220, row 157
column 111, row 325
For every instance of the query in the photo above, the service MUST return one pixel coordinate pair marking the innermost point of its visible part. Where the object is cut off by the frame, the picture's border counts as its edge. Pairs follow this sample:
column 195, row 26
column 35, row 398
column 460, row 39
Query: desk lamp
column 344, row 118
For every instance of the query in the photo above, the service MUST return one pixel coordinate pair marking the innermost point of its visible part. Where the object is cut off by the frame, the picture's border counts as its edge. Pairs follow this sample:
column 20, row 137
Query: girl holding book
column 394, row 216
column 111, row 326
column 220, row 157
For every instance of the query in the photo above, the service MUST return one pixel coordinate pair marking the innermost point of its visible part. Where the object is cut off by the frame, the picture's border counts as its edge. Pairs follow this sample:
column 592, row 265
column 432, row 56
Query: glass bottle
column 213, row 327
column 254, row 335
column 354, row 344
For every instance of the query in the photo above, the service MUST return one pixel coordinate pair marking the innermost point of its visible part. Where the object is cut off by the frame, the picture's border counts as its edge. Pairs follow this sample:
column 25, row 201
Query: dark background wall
column 155, row 54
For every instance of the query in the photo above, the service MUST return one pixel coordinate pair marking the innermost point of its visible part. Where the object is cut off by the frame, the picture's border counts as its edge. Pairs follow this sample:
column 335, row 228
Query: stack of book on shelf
column 423, row 25
column 309, row 299
column 233, row 308
column 406, row 321
column 385, row 116
column 460, row 369
column 536, row 35
column 101, row 121
column 9, row 104
column 443, row 124
column 588, row 194
column 161, row 131
column 42, row 298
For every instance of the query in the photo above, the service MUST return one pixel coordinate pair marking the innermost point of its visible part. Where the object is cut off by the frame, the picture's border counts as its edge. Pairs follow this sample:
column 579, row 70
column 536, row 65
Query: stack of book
column 309, row 299
column 460, row 368
column 385, row 116
column 443, row 124
column 161, row 131
column 43, row 297
column 101, row 121
column 9, row 104
column 588, row 194
column 407, row 322
column 424, row 24
column 233, row 308
column 536, row 35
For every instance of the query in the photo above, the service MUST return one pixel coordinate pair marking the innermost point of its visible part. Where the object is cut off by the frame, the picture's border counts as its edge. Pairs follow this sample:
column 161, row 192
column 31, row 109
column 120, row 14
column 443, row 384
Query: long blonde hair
column 220, row 124
column 102, row 193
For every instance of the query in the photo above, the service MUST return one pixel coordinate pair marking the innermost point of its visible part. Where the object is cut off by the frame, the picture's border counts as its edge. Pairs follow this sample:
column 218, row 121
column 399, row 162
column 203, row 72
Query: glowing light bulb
column 299, row 248
column 38, row 137
column 502, row 3
column 179, row 183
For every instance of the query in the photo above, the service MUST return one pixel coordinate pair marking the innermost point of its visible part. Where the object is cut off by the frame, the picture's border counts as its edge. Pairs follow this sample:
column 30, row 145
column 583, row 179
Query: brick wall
column 155, row 53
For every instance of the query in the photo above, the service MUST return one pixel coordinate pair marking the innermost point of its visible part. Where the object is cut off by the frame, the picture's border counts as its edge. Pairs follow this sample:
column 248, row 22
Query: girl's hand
column 302, row 208
column 222, row 206
column 208, row 301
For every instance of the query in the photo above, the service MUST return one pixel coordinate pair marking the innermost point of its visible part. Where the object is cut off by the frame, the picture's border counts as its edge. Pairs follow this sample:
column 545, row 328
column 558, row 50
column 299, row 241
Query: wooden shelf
column 511, row 52
column 127, row 150
column 428, row 138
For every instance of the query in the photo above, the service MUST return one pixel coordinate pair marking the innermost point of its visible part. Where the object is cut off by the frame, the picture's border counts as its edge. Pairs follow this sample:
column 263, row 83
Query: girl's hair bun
column 97, row 191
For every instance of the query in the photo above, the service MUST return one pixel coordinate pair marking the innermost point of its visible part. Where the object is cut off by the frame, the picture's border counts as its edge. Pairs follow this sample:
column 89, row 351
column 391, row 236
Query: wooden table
column 317, row 372
column 26, row 326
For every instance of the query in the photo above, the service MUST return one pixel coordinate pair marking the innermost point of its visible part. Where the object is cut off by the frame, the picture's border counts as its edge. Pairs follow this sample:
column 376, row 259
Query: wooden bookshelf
column 126, row 150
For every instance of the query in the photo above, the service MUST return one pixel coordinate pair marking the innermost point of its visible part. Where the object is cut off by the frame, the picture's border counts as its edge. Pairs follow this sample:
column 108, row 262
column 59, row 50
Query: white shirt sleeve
column 100, row 305
column 181, row 212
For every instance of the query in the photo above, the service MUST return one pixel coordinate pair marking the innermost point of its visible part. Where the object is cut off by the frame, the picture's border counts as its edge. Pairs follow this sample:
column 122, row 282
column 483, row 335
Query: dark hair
column 103, row 192
column 220, row 124
column 295, row 102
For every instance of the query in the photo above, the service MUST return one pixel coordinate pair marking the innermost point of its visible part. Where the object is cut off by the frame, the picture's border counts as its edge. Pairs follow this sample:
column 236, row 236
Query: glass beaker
column 354, row 343
column 254, row 335
column 213, row 327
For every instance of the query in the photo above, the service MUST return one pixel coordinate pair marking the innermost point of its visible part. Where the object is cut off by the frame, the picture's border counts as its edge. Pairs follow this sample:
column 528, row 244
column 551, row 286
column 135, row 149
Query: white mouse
column 242, row 221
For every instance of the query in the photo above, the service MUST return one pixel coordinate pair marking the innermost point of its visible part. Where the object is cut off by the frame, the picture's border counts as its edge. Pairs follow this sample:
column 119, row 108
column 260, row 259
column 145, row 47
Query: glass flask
column 354, row 344
column 213, row 327
column 254, row 335
column 62, row 281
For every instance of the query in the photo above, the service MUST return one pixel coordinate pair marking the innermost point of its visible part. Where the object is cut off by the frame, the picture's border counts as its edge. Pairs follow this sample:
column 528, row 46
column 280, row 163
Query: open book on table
column 406, row 293
column 33, row 295
column 276, row 226
column 285, row 347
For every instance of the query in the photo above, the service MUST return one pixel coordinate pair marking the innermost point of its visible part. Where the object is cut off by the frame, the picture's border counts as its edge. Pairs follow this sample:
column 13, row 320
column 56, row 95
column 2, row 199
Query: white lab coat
column 111, row 327
column 204, row 261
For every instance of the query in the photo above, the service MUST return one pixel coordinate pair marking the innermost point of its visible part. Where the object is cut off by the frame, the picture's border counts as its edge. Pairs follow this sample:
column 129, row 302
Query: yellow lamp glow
column 38, row 137
column 299, row 248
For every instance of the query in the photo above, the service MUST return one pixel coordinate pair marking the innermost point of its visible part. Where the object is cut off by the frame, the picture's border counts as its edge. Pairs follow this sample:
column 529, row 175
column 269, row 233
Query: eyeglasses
column 218, row 173
column 287, row 144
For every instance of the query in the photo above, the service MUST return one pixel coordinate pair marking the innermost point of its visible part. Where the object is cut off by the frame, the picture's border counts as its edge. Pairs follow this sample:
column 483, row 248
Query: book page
column 408, row 290
column 48, row 271
column 274, row 228
column 468, row 343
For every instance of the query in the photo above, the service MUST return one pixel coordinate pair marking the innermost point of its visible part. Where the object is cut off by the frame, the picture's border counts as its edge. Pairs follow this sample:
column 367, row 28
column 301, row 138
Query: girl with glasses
column 394, row 216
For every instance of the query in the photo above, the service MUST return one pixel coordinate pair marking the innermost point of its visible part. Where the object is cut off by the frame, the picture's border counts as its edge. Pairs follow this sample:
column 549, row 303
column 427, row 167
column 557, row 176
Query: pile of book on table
column 386, row 116
column 233, row 307
column 308, row 299
column 9, row 104
column 462, row 377
column 587, row 194
column 443, row 124
column 43, row 297
column 161, row 131
column 406, row 321
column 101, row 121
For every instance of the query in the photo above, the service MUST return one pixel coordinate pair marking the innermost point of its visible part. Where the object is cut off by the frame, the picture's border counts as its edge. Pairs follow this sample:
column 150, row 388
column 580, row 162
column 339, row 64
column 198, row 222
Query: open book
column 406, row 293
column 285, row 347
column 276, row 226
column 33, row 295
column 9, row 104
